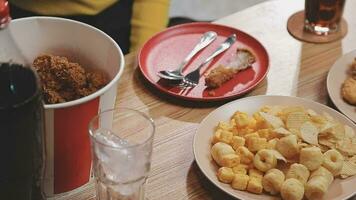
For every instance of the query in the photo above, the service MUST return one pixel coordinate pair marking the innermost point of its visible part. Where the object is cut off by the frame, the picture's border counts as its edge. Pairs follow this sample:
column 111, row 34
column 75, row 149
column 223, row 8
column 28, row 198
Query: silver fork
column 192, row 79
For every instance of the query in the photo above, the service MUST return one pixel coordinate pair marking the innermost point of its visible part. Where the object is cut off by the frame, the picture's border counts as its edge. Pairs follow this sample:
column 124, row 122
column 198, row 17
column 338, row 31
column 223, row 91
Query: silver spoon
column 176, row 74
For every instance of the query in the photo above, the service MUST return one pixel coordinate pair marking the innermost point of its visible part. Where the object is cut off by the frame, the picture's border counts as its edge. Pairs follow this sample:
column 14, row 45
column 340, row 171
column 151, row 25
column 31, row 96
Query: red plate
column 167, row 49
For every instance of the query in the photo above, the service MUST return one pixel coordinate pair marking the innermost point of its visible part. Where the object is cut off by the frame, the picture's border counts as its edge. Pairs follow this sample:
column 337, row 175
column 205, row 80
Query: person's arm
column 148, row 18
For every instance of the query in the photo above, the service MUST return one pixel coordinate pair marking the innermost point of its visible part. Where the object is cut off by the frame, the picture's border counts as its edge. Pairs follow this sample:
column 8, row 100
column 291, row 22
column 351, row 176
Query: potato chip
column 296, row 119
column 326, row 142
column 328, row 116
column 290, row 109
column 338, row 131
column 224, row 126
column 319, row 119
column 281, row 131
column 274, row 121
column 348, row 169
column 303, row 145
column 346, row 147
column 324, row 148
column 353, row 159
column 309, row 133
column 311, row 112
column 295, row 132
column 326, row 126
column 349, row 132
column 275, row 110
column 278, row 155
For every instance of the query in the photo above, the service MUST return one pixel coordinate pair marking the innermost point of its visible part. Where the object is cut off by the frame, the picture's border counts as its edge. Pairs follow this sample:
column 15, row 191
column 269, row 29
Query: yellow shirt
column 148, row 16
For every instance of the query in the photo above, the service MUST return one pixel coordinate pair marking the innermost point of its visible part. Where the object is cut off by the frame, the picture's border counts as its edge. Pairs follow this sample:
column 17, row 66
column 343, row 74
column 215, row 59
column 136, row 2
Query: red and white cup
column 68, row 158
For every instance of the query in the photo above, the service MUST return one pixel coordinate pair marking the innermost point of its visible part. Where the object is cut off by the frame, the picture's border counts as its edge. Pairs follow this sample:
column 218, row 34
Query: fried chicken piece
column 218, row 76
column 348, row 91
column 52, row 96
column 96, row 79
column 353, row 69
column 69, row 74
column 64, row 80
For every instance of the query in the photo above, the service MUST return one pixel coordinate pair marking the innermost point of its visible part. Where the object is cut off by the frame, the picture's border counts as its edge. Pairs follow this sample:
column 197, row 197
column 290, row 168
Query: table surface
column 296, row 69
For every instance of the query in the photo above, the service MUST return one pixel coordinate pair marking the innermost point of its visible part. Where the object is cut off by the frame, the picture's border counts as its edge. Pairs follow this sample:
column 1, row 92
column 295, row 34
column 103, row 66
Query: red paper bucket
column 68, row 160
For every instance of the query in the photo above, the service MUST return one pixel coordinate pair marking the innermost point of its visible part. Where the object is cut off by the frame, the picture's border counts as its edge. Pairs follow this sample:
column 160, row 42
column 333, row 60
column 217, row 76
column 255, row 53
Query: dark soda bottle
column 21, row 134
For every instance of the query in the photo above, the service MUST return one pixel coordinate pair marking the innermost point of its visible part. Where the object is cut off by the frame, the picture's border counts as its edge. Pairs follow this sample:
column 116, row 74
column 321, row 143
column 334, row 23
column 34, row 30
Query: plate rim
column 328, row 85
column 204, row 99
column 246, row 99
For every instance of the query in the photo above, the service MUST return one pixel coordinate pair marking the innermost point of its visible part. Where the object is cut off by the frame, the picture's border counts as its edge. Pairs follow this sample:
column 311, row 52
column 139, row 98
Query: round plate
column 166, row 50
column 336, row 76
column 339, row 189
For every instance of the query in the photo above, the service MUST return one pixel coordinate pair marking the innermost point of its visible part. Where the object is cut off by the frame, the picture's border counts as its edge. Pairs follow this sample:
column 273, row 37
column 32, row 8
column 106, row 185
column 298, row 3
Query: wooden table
column 296, row 69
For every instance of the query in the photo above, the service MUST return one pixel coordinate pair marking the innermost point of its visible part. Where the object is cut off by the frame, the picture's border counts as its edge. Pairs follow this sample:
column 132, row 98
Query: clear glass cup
column 121, row 141
column 323, row 17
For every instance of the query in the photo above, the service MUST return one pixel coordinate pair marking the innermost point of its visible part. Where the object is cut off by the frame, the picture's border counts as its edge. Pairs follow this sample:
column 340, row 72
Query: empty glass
column 121, row 142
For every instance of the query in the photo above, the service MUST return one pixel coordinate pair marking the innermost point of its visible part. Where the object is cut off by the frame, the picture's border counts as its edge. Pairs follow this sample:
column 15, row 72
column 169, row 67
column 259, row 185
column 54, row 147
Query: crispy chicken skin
column 64, row 81
column 221, row 74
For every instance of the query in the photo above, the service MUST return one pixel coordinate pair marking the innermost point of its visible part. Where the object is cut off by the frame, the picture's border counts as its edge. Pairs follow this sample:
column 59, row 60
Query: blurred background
column 182, row 11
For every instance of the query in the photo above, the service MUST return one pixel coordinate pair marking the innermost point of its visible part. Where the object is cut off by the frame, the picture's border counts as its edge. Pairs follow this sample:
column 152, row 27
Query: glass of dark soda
column 323, row 17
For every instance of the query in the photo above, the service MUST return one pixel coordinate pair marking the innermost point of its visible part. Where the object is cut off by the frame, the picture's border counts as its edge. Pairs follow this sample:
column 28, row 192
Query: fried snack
column 311, row 157
column 318, row 183
column 296, row 119
column 240, row 169
column 316, row 187
column 348, row 169
column 333, row 161
column 322, row 171
column 225, row 174
column 299, row 172
column 348, row 90
column 272, row 121
column 64, row 81
column 353, row 69
column 242, row 119
column 255, row 185
column 230, row 160
column 272, row 143
column 240, row 181
column 218, row 76
column 309, row 133
column 221, row 74
column 237, row 142
column 221, row 135
column 297, row 137
column 255, row 144
column 264, row 160
column 273, row 180
column 220, row 149
column 255, row 173
column 292, row 189
column 246, row 157
column 288, row 146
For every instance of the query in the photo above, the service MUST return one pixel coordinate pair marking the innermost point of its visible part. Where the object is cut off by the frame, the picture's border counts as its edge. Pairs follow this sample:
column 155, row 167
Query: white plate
column 336, row 76
column 339, row 189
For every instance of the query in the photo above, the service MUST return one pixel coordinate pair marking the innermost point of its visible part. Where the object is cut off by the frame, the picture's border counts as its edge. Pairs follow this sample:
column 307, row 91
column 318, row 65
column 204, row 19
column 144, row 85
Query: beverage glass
column 121, row 144
column 22, row 141
column 323, row 17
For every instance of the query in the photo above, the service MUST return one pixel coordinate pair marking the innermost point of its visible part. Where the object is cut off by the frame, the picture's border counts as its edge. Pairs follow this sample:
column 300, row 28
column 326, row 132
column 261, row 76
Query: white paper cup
column 68, row 160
